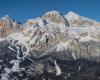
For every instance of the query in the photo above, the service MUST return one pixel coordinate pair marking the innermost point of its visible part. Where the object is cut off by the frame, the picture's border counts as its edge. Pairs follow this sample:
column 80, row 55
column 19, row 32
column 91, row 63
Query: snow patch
column 58, row 70
column 1, row 39
column 88, row 38
column 62, row 46
column 16, row 66
column 73, row 55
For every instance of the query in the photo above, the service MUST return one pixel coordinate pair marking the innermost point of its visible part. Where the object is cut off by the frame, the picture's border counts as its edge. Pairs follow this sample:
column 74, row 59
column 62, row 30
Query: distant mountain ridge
column 71, row 19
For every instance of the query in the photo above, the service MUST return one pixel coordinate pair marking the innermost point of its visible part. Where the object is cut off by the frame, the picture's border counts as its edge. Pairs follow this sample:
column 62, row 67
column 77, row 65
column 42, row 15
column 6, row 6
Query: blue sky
column 21, row 10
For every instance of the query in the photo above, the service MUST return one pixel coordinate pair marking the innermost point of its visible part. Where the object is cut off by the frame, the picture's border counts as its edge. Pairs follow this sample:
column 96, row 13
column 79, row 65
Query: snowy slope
column 76, row 20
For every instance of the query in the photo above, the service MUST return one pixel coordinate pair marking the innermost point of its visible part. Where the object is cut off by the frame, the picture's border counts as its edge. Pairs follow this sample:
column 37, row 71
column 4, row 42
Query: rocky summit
column 51, row 47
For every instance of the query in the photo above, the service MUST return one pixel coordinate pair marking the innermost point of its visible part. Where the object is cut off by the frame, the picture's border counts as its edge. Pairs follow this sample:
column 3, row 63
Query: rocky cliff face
column 52, row 47
column 7, row 26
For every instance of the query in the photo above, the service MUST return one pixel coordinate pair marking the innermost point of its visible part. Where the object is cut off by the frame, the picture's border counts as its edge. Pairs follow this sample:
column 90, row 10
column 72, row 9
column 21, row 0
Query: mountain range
column 41, row 48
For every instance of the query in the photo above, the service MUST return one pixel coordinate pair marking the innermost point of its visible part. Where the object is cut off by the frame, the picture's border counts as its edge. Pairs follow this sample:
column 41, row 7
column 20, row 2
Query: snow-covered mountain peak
column 8, row 25
column 52, row 13
column 7, row 21
column 7, row 17
column 76, row 20
column 55, row 17
column 72, row 13
column 72, row 16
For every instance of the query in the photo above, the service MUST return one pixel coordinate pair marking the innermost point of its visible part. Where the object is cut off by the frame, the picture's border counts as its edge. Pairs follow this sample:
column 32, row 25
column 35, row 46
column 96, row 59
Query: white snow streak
column 57, row 68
